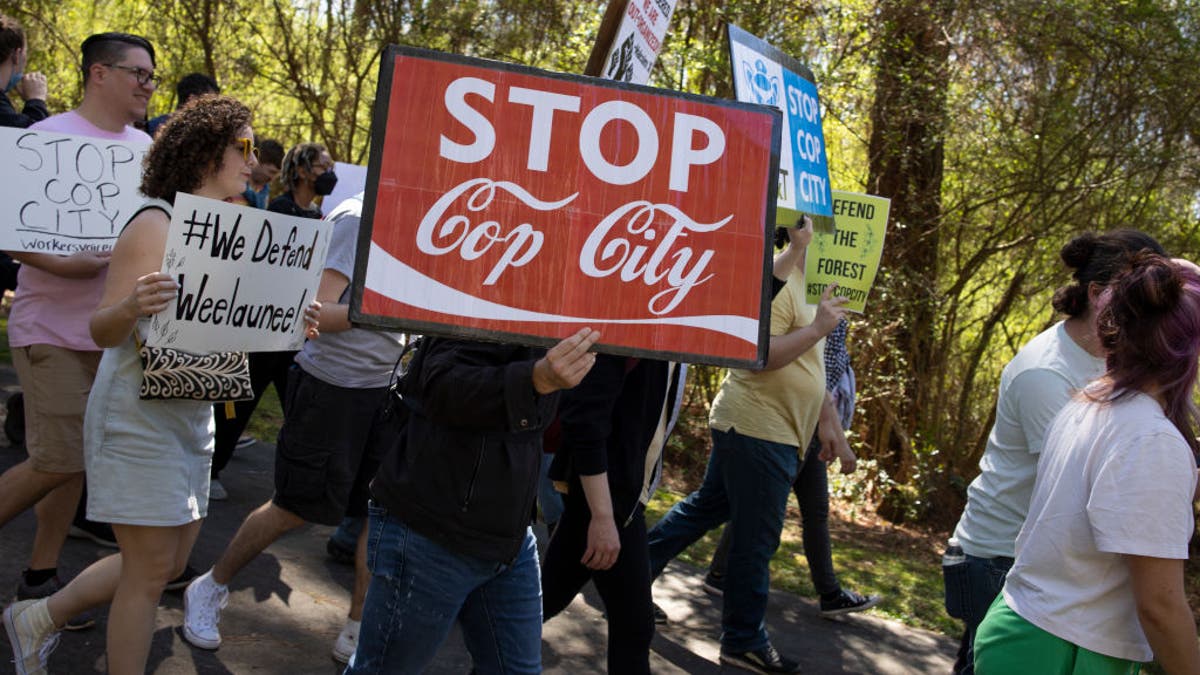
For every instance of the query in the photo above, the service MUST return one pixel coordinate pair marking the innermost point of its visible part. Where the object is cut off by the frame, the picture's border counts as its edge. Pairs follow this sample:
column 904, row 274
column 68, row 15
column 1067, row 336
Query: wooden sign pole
column 604, row 37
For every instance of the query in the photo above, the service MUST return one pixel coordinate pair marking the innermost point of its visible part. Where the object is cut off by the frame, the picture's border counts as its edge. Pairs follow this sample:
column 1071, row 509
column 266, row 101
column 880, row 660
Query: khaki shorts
column 56, row 383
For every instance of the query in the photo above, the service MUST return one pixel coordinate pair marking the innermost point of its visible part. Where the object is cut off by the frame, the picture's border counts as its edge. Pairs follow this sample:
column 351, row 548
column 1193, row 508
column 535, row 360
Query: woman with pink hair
column 1097, row 585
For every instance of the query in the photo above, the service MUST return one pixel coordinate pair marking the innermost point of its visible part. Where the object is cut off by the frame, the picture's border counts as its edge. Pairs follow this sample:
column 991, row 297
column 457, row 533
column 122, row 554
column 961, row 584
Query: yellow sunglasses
column 248, row 148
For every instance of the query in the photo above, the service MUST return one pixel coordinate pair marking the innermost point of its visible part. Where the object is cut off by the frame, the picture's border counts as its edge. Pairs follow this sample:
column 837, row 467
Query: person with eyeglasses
column 53, row 351
column 148, row 461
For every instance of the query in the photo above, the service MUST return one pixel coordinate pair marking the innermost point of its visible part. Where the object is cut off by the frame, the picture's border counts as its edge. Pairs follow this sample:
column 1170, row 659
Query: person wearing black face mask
column 307, row 172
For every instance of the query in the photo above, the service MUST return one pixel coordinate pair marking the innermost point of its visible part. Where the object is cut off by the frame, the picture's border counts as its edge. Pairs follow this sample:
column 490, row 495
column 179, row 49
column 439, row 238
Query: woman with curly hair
column 147, row 460
column 1098, row 585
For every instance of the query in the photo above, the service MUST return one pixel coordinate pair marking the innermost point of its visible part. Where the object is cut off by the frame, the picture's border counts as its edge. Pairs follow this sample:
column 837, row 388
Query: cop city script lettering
column 639, row 241
column 82, row 197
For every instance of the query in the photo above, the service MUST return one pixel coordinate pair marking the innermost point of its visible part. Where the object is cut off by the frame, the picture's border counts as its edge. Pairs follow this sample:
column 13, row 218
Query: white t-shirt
column 1115, row 479
column 1034, row 386
column 357, row 358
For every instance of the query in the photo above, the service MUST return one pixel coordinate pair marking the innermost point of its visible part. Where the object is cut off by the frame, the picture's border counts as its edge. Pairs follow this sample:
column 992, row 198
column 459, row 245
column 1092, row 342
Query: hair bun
column 1153, row 283
column 1077, row 252
column 1157, row 281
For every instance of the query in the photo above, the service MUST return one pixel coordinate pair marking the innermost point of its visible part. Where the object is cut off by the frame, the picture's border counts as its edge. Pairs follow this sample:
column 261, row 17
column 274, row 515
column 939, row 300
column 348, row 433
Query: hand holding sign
column 312, row 320
column 830, row 311
column 801, row 235
column 152, row 294
column 567, row 362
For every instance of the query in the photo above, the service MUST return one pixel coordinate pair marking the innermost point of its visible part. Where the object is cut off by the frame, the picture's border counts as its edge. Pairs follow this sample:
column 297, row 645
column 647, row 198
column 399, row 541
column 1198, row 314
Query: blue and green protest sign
column 763, row 74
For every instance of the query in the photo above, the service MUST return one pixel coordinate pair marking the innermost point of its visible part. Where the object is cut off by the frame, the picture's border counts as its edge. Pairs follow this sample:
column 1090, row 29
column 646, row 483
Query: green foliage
column 1059, row 116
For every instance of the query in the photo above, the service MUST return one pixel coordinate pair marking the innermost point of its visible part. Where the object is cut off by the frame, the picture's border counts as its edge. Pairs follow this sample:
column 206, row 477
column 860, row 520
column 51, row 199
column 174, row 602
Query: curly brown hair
column 191, row 145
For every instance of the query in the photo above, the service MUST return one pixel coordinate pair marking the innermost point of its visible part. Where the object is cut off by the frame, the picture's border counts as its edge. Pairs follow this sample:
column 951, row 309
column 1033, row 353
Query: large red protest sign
column 505, row 202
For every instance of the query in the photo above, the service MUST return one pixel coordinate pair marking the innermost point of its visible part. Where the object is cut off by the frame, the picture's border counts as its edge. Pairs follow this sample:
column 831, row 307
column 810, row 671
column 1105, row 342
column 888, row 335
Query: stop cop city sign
column 514, row 204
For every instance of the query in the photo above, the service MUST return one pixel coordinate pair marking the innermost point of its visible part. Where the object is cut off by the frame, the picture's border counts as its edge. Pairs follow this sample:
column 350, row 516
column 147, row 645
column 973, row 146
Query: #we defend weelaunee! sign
column 763, row 74
column 63, row 193
column 848, row 257
column 512, row 204
column 245, row 277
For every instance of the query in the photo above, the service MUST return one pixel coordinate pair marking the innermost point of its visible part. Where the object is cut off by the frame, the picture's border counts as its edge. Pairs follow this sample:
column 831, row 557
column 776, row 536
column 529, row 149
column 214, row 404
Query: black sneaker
column 762, row 660
column 100, row 533
column 714, row 584
column 660, row 617
column 81, row 621
column 847, row 602
column 185, row 577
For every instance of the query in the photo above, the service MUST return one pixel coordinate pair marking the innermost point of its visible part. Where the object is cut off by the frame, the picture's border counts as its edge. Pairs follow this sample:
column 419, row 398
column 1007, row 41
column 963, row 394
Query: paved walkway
column 289, row 604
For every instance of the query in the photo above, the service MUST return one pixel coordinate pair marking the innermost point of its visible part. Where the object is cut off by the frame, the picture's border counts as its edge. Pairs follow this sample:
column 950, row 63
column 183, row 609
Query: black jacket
column 465, row 471
column 35, row 111
column 608, row 423
column 286, row 204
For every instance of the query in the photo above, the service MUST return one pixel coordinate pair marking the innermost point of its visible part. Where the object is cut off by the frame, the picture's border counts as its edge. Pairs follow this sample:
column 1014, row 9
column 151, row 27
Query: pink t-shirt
column 53, row 310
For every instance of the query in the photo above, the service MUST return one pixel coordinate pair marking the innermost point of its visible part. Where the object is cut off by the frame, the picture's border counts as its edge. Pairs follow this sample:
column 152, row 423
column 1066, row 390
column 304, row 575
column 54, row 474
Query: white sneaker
column 202, row 604
column 347, row 642
column 216, row 491
column 32, row 635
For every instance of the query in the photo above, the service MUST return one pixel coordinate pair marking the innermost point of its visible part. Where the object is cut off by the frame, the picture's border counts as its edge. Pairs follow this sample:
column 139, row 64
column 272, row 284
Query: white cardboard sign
column 245, row 276
column 63, row 194
column 352, row 179
column 638, row 40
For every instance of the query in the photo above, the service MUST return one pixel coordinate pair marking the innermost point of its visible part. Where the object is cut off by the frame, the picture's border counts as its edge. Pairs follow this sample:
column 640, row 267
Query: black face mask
column 324, row 183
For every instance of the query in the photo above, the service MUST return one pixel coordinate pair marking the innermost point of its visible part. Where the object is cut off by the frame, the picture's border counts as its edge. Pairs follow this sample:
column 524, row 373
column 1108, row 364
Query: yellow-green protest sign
column 850, row 256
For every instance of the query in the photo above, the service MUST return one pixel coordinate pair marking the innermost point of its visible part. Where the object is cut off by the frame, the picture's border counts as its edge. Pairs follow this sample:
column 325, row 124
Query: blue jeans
column 419, row 589
column 812, row 494
column 346, row 534
column 970, row 589
column 746, row 484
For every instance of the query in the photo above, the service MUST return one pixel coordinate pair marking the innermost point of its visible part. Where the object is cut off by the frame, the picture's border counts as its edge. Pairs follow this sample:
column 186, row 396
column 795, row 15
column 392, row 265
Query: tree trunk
column 908, row 120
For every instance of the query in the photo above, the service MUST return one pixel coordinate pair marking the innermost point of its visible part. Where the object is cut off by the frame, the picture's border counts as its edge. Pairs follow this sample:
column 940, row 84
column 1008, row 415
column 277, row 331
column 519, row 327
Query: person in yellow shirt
column 760, row 420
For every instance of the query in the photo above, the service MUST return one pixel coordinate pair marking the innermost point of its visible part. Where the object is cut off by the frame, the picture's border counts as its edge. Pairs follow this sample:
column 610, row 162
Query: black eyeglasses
column 142, row 75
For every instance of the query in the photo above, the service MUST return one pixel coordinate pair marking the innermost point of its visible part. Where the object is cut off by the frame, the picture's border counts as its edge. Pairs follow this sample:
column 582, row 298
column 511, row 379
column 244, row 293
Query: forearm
column 109, row 326
column 68, row 267
column 829, row 412
column 599, row 499
column 786, row 261
column 335, row 318
column 1171, row 632
column 786, row 348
